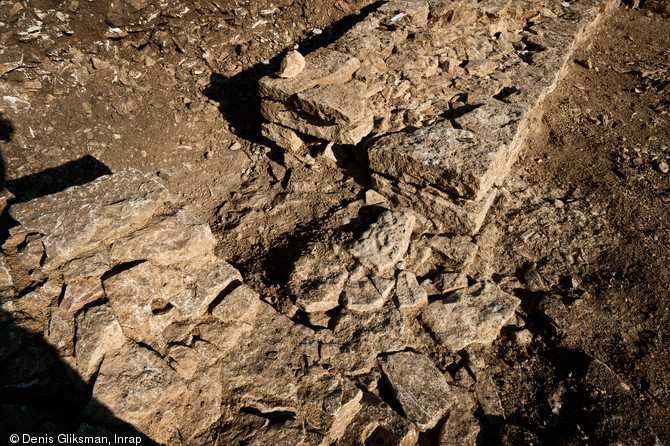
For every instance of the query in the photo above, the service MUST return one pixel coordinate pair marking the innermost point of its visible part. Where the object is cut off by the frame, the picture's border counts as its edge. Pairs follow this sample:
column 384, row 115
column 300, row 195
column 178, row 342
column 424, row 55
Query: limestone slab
column 98, row 334
column 340, row 103
column 454, row 161
column 471, row 315
column 322, row 67
column 179, row 238
column 82, row 218
column 419, row 387
column 317, row 282
column 302, row 122
column 284, row 137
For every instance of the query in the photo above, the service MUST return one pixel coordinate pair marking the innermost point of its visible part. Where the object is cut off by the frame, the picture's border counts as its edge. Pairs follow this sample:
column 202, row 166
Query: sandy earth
column 582, row 224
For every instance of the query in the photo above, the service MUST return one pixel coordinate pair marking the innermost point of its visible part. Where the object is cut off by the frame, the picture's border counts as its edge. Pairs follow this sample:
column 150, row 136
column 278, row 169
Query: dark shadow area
column 238, row 95
column 6, row 130
column 56, row 179
column 40, row 395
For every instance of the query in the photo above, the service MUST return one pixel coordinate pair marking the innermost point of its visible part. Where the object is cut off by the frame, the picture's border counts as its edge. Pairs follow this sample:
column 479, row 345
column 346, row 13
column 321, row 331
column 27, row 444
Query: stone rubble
column 126, row 287
column 453, row 89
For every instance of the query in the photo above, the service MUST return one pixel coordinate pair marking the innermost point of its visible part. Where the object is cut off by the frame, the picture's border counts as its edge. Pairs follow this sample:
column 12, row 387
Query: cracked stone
column 471, row 315
column 419, row 387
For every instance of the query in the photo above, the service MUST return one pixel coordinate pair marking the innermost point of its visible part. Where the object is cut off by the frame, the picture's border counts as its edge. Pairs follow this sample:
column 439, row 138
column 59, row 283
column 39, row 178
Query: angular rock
column 93, row 266
column 462, row 427
column 386, row 241
column 289, row 116
column 450, row 281
column 446, row 214
column 175, row 239
column 457, row 252
column 409, row 295
column 80, row 293
column 284, row 137
column 291, row 65
column 241, row 305
column 471, row 315
column 361, row 295
column 419, row 387
column 363, row 336
column 82, row 218
column 455, row 161
column 341, row 103
column 157, row 306
column 322, row 67
column 98, row 334
column 376, row 423
column 317, row 281
column 136, row 386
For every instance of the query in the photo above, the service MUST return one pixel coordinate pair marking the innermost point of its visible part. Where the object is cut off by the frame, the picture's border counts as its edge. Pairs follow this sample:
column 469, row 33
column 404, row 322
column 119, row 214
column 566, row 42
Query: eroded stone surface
column 471, row 315
column 317, row 281
column 385, row 242
column 419, row 387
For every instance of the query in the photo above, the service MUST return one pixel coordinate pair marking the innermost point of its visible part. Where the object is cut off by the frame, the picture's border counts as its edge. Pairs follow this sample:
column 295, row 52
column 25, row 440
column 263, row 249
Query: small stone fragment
column 471, row 315
column 662, row 167
column 362, row 295
column 419, row 387
column 291, row 65
column 408, row 293
column 284, row 137
column 523, row 337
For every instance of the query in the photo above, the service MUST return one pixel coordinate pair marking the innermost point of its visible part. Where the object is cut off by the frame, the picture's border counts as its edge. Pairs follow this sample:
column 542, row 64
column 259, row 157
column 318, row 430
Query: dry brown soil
column 583, row 224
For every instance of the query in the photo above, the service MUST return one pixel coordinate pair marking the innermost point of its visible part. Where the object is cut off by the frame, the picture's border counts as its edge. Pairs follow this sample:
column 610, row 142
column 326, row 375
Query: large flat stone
column 83, row 218
column 341, row 103
column 456, row 161
column 157, row 305
column 471, row 315
column 176, row 239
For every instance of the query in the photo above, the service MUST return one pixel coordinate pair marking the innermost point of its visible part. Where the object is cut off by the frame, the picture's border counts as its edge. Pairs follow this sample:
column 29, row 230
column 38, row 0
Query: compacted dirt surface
column 581, row 226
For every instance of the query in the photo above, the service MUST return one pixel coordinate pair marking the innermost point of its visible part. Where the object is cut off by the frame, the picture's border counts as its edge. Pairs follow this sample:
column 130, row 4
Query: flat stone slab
column 317, row 281
column 296, row 119
column 454, row 161
column 322, row 67
column 386, row 241
column 419, row 387
column 471, row 315
column 82, row 218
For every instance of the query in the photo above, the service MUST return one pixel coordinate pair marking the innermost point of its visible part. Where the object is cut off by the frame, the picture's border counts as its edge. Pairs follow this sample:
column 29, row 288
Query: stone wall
column 445, row 96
